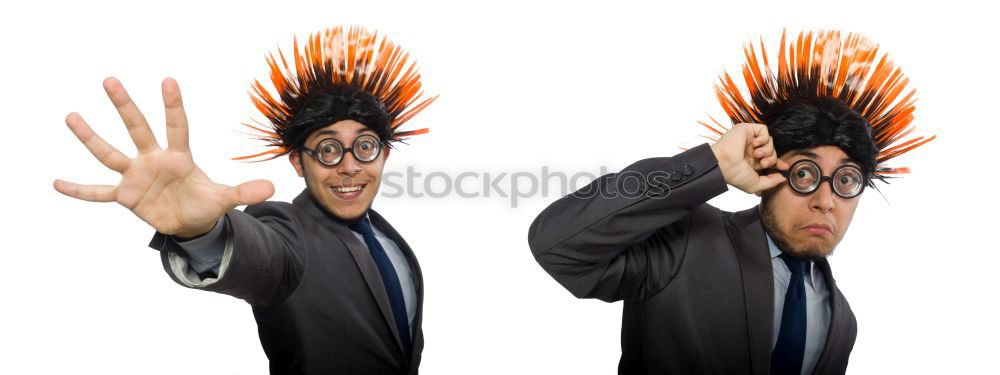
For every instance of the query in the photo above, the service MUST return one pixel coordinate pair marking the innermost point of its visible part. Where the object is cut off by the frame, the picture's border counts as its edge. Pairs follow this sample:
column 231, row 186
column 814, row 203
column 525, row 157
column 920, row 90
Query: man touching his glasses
column 750, row 292
column 334, row 288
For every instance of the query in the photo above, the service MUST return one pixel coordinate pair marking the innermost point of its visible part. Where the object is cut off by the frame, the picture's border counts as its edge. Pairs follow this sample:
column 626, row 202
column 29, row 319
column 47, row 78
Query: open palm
column 163, row 187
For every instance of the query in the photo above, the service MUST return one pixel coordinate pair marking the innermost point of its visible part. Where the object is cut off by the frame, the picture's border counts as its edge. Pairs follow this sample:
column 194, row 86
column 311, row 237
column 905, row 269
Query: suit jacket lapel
column 362, row 257
column 837, row 316
column 747, row 235
column 418, row 279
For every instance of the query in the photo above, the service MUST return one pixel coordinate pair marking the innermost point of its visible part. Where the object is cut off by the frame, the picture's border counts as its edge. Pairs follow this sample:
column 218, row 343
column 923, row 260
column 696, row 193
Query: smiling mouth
column 348, row 192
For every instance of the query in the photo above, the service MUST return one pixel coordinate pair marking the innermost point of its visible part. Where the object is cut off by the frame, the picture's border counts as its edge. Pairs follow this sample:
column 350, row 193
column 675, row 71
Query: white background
column 573, row 86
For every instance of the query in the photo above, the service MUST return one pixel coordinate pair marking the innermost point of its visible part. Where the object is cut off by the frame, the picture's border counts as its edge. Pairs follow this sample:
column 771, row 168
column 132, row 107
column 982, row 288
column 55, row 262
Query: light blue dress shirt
column 205, row 253
column 817, row 306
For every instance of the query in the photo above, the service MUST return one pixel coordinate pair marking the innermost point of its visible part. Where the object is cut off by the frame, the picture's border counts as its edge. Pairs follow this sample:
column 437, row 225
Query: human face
column 347, row 189
column 809, row 226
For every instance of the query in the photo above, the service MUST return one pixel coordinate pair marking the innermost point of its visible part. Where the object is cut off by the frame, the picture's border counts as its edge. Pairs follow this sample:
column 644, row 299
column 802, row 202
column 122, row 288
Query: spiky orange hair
column 821, row 65
column 334, row 58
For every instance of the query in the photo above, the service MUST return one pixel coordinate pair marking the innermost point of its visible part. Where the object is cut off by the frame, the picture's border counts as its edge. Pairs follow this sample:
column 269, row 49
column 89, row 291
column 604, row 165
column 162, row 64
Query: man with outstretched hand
column 334, row 288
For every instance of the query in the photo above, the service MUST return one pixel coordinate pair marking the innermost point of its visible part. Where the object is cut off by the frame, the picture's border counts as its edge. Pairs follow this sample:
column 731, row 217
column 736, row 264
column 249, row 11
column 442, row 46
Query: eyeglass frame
column 344, row 150
column 822, row 178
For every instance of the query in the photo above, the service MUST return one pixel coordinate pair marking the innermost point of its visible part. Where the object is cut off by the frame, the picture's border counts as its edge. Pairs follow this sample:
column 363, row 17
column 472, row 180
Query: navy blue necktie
column 788, row 352
column 389, row 278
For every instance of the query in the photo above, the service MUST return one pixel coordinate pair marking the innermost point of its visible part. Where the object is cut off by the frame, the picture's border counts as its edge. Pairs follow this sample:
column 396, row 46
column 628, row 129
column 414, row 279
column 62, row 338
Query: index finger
column 136, row 123
column 782, row 165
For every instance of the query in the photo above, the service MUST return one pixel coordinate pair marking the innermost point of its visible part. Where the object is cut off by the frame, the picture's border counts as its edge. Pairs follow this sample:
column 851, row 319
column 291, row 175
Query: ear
column 295, row 157
column 387, row 152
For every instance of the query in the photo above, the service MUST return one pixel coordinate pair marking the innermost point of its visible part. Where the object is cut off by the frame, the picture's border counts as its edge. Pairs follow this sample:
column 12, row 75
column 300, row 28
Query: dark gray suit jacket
column 696, row 281
column 316, row 293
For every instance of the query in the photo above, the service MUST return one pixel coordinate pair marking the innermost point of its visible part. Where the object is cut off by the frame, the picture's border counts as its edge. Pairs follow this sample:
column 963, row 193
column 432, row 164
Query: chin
column 347, row 211
column 348, row 215
column 811, row 249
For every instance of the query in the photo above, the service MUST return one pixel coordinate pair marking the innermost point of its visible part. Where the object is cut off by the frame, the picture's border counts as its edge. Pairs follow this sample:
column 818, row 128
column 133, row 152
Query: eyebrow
column 334, row 132
column 813, row 156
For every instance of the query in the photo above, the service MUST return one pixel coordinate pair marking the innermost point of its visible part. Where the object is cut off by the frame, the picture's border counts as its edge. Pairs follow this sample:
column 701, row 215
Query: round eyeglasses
column 330, row 151
column 805, row 177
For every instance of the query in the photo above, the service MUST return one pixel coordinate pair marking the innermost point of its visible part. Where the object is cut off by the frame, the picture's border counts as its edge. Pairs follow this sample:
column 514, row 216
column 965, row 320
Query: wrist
column 189, row 235
column 722, row 161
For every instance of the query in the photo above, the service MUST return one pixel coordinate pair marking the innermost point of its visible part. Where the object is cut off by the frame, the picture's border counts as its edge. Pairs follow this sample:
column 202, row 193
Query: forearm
column 597, row 235
column 259, row 264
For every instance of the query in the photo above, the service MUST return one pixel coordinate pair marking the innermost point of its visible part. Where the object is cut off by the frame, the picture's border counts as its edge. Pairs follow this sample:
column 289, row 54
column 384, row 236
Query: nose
column 823, row 198
column 348, row 166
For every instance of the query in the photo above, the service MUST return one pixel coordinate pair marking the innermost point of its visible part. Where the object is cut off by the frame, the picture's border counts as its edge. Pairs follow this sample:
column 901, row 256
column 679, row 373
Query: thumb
column 768, row 181
column 250, row 192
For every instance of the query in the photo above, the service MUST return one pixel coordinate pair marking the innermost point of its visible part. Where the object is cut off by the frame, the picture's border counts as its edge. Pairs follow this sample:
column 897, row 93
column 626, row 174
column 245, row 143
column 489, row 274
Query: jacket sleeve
column 261, row 262
column 204, row 254
column 622, row 237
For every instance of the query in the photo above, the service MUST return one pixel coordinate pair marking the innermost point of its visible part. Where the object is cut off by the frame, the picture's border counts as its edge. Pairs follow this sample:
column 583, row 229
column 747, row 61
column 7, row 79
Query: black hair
column 335, row 104
column 805, row 123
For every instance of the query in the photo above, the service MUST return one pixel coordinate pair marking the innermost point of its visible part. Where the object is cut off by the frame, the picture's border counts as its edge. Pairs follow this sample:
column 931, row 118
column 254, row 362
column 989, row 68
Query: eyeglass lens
column 805, row 177
column 365, row 148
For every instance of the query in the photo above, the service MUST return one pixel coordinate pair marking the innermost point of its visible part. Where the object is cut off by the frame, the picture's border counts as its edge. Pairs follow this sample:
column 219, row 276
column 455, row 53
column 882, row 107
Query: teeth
column 346, row 189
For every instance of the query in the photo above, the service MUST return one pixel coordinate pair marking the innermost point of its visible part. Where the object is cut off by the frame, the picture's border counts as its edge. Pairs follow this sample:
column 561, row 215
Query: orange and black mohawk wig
column 367, row 76
column 858, row 100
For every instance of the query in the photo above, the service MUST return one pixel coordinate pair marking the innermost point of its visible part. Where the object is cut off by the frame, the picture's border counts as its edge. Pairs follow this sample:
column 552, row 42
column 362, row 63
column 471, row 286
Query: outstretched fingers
column 92, row 193
column 177, row 124
column 136, row 123
column 104, row 152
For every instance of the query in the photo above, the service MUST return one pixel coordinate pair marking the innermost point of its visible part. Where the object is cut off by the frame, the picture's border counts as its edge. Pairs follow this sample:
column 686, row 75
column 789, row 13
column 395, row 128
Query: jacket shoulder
column 707, row 211
column 270, row 207
column 290, row 219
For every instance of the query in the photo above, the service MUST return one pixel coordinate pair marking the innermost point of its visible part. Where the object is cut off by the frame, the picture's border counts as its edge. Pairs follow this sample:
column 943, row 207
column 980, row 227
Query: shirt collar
column 368, row 219
column 775, row 251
